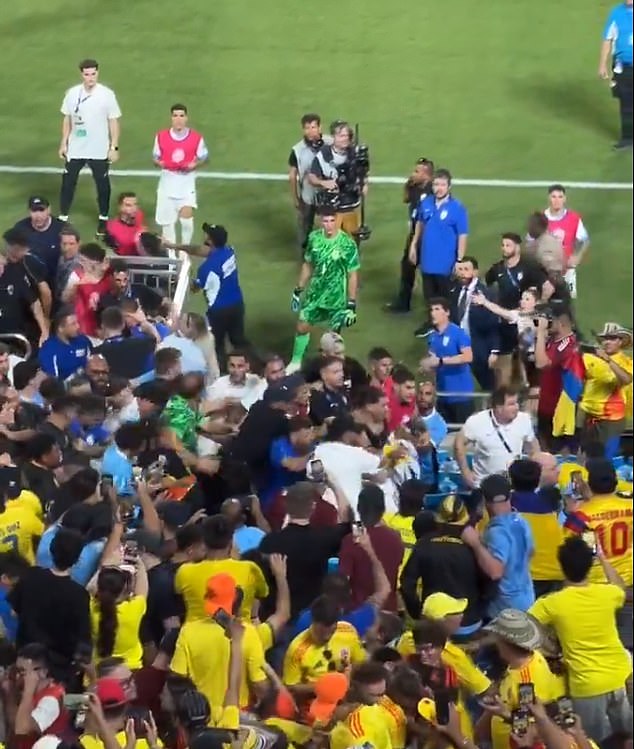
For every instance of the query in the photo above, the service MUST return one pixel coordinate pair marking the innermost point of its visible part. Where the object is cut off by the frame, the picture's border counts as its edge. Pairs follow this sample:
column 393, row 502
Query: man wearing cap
column 43, row 232
column 506, row 548
column 607, row 390
column 333, row 344
column 517, row 639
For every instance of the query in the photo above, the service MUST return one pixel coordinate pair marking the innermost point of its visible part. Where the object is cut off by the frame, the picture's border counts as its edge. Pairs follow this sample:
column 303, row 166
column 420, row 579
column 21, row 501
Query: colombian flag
column 564, row 418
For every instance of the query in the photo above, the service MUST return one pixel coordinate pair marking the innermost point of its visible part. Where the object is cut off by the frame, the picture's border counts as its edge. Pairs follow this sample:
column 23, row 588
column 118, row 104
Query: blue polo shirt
column 618, row 30
column 443, row 223
column 61, row 360
column 454, row 378
column 218, row 278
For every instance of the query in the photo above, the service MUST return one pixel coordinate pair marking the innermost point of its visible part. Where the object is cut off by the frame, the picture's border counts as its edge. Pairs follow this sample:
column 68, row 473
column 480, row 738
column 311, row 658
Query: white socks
column 187, row 230
column 169, row 233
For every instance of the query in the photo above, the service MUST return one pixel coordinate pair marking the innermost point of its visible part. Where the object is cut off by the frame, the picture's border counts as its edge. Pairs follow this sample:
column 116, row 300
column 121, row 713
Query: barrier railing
column 167, row 274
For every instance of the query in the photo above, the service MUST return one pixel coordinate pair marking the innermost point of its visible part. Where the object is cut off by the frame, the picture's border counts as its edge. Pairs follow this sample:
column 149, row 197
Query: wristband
column 114, row 148
column 352, row 304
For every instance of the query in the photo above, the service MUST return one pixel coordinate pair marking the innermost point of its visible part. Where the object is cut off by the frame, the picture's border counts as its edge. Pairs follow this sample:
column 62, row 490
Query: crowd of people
column 202, row 546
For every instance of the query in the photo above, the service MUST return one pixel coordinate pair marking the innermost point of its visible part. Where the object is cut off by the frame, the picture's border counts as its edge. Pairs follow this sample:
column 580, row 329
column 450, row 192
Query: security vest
column 305, row 155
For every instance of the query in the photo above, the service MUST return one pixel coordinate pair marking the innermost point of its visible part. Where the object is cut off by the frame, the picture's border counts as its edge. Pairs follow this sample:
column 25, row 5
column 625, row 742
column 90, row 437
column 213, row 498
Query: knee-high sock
column 187, row 230
column 299, row 347
column 168, row 232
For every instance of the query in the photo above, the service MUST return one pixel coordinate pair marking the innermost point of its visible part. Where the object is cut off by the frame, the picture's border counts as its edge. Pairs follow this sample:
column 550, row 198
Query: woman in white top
column 524, row 318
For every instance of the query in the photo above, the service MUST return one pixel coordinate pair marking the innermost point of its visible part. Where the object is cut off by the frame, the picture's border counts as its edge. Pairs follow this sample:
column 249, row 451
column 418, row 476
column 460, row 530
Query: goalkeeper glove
column 296, row 301
column 347, row 317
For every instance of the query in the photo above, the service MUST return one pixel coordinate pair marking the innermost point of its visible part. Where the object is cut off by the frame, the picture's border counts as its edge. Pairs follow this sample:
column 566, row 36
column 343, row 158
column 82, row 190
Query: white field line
column 265, row 177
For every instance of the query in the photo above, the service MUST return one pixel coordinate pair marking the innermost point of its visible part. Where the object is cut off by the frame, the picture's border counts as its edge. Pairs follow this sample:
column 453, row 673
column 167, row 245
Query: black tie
column 462, row 304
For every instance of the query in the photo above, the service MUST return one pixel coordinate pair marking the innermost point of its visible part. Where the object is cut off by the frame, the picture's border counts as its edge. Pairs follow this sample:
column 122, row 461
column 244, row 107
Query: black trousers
column 408, row 277
column 622, row 90
column 435, row 286
column 455, row 413
column 100, row 174
column 227, row 322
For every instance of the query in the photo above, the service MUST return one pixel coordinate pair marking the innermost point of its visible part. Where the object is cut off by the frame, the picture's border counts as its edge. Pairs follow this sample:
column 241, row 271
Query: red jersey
column 563, row 355
column 176, row 154
column 386, row 386
column 566, row 229
column 125, row 236
column 87, row 302
column 59, row 727
column 399, row 413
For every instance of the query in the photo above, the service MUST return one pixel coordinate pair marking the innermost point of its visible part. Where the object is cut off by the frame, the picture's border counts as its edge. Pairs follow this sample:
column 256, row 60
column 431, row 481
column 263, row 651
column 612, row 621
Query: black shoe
column 101, row 229
column 622, row 144
column 424, row 330
column 396, row 308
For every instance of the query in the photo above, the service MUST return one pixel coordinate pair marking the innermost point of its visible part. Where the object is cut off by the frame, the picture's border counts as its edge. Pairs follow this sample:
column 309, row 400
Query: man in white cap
column 332, row 344
column 608, row 387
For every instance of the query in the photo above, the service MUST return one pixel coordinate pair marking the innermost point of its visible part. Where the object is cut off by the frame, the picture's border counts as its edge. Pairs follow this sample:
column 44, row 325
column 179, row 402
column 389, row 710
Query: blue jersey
column 452, row 378
column 218, row 278
column 443, row 224
column 61, row 360
column 618, row 30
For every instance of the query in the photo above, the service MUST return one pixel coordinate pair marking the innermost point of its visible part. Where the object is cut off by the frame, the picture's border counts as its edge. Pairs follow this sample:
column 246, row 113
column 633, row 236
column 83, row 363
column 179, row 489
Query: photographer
column 417, row 188
column 340, row 172
column 300, row 162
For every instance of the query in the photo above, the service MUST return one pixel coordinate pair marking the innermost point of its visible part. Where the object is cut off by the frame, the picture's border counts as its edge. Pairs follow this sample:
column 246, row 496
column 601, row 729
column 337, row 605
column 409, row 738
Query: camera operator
column 340, row 172
column 300, row 162
column 417, row 187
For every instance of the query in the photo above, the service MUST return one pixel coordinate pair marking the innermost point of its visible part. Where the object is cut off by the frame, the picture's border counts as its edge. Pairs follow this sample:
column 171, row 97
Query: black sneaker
column 396, row 308
column 623, row 144
column 424, row 331
column 101, row 229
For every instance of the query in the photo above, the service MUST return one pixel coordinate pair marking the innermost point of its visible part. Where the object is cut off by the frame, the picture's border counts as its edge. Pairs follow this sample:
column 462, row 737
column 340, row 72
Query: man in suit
column 481, row 325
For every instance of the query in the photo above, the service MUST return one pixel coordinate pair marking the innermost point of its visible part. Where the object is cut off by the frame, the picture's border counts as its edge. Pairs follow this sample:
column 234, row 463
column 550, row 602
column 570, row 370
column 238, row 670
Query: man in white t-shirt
column 90, row 136
column 498, row 436
column 178, row 151
column 239, row 384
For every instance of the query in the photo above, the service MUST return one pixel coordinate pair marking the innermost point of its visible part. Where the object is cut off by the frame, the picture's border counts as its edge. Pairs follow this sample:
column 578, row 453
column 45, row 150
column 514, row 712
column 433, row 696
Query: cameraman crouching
column 341, row 178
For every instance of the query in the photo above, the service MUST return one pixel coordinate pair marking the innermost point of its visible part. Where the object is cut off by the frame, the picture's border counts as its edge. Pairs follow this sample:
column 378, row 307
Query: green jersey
column 331, row 258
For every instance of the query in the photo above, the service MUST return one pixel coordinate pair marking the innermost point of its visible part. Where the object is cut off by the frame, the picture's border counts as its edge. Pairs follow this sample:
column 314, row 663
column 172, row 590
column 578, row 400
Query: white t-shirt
column 345, row 465
column 247, row 393
column 490, row 454
column 178, row 184
column 89, row 113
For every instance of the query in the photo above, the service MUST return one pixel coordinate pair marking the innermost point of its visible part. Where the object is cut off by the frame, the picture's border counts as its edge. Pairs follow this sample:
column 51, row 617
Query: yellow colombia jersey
column 365, row 725
column 127, row 642
column 595, row 665
column 535, row 672
column 91, row 741
column 202, row 655
column 565, row 477
column 29, row 501
column 547, row 532
column 610, row 517
column 305, row 661
column 602, row 397
column 395, row 720
column 471, row 681
column 191, row 582
column 403, row 526
column 19, row 529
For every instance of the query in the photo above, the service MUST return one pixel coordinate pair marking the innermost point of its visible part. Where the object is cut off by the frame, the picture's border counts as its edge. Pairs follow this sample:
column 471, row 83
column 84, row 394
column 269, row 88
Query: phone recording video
column 590, row 539
column 519, row 722
column 442, row 700
column 317, row 472
column 526, row 694
column 565, row 713
column 74, row 702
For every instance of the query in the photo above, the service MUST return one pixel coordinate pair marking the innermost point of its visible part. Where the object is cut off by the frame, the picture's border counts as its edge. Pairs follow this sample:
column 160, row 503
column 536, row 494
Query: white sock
column 63, row 218
column 168, row 233
column 187, row 230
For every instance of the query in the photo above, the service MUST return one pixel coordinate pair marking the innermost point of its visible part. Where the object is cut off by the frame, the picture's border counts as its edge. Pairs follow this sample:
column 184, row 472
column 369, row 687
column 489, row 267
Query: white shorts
column 570, row 277
column 167, row 208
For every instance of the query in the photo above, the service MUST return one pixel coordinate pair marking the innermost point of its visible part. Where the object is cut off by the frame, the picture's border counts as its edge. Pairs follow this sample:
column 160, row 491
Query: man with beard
column 43, row 232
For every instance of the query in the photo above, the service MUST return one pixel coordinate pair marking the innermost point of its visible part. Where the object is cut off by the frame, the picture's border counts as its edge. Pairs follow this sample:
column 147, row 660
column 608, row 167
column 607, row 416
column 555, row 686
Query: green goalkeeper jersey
column 331, row 260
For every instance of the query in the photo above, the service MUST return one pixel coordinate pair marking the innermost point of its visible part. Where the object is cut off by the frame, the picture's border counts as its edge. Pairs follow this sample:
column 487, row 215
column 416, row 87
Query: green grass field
column 490, row 90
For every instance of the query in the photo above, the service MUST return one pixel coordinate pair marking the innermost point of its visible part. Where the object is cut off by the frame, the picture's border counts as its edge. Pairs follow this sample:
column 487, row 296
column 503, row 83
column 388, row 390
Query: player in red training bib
column 124, row 231
column 178, row 151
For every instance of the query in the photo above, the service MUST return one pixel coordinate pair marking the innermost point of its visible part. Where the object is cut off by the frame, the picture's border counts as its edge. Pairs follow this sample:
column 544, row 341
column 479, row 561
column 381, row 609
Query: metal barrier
column 165, row 274
column 17, row 343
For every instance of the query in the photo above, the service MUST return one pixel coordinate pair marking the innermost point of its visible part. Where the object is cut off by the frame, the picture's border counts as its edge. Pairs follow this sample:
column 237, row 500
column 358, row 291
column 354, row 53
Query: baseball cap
column 452, row 511
column 330, row 689
column 284, row 390
column 332, row 343
column 211, row 738
column 110, row 693
column 517, row 628
column 496, row 489
column 427, row 709
column 192, row 709
column 439, row 605
column 221, row 594
column 38, row 203
column 173, row 514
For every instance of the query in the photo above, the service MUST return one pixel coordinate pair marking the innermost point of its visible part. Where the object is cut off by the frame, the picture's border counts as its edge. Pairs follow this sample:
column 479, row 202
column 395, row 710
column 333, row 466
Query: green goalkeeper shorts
column 312, row 314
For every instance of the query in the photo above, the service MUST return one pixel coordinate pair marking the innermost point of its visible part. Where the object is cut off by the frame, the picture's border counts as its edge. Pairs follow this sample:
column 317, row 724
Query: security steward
column 334, row 174
column 617, row 43
column 417, row 187
column 299, row 163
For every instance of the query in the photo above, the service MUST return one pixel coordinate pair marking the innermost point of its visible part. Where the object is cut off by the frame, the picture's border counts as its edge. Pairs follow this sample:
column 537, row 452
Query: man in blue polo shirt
column 449, row 356
column 67, row 351
column 441, row 230
column 617, row 42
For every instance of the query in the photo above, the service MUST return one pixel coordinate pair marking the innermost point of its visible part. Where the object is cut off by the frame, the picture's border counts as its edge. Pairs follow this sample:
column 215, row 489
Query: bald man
column 550, row 469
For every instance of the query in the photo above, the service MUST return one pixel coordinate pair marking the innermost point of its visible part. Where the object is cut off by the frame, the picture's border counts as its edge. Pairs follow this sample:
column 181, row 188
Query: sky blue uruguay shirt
column 454, row 378
column 618, row 30
column 443, row 224
column 509, row 539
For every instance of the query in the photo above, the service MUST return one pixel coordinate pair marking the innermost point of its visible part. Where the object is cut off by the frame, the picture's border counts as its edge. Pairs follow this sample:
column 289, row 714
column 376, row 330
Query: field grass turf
column 490, row 90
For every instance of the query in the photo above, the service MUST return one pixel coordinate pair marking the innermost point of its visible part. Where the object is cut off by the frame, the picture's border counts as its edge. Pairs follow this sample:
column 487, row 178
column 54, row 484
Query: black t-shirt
column 251, row 445
column 325, row 404
column 44, row 244
column 128, row 357
column 41, row 481
column 162, row 601
column 18, row 293
column 513, row 282
column 63, row 439
column 307, row 551
column 354, row 374
column 52, row 610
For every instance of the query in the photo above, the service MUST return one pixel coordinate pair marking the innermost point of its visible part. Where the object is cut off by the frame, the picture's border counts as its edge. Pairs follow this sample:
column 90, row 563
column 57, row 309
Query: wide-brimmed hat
column 517, row 628
column 614, row 330
column 452, row 511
